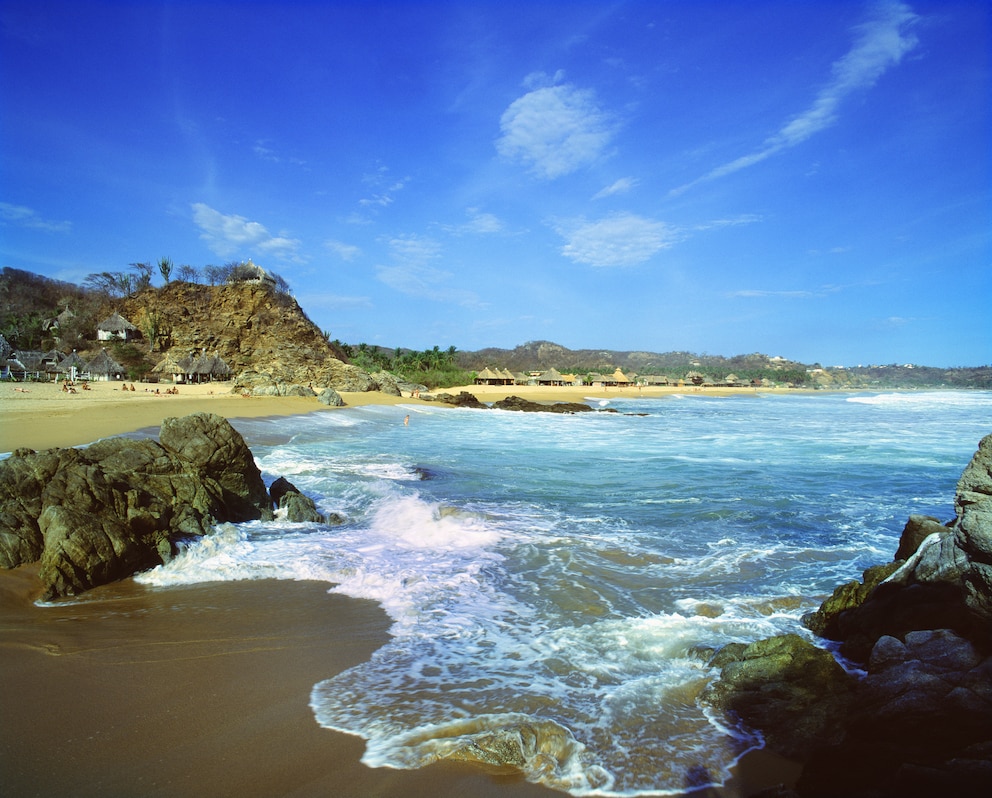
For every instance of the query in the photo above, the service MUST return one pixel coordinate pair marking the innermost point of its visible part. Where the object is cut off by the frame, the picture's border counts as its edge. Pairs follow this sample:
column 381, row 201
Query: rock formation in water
column 917, row 719
column 97, row 514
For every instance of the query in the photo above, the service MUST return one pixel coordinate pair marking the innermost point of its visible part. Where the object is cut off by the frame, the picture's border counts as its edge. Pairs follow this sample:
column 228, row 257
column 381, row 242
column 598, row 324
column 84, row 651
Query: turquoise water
column 565, row 572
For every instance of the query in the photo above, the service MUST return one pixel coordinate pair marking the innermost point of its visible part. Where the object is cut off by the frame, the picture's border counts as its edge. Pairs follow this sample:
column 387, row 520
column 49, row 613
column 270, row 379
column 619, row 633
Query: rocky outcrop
column 95, row 515
column 463, row 399
column 918, row 722
column 299, row 508
column 330, row 397
column 526, row 406
column 793, row 691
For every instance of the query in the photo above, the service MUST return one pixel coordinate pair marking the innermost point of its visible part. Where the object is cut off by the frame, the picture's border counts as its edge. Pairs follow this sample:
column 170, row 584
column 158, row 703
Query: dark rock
column 209, row 441
column 527, row 406
column 101, row 513
column 463, row 399
column 791, row 690
column 299, row 508
column 845, row 598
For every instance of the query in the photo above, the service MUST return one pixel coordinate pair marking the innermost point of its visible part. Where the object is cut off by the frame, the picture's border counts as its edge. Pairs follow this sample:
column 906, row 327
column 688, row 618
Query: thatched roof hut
column 207, row 368
column 70, row 362
column 551, row 377
column 116, row 326
column 170, row 366
column 104, row 367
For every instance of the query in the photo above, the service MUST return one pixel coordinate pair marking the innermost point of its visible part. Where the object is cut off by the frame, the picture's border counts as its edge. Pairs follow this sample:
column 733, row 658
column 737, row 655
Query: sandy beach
column 204, row 691
column 41, row 416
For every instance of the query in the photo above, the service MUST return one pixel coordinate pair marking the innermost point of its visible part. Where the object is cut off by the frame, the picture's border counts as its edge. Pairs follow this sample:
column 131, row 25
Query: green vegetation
column 434, row 368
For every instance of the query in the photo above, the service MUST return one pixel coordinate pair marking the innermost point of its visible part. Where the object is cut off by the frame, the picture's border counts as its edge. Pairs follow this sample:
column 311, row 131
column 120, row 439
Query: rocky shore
column 99, row 514
column 909, row 713
column 894, row 699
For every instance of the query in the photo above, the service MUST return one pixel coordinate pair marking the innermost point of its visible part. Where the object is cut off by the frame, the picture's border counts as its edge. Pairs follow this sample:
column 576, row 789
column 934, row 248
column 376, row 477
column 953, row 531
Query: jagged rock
column 299, row 508
column 526, row 406
column 209, row 441
column 975, row 485
column 102, row 513
column 330, row 397
column 918, row 528
column 793, row 691
column 847, row 597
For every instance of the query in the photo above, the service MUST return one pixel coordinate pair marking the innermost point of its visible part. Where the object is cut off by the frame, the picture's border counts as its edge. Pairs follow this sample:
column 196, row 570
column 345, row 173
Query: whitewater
column 567, row 577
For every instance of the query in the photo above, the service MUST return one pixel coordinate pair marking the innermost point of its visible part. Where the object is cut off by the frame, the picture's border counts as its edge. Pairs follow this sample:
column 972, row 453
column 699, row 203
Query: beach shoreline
column 41, row 416
column 204, row 690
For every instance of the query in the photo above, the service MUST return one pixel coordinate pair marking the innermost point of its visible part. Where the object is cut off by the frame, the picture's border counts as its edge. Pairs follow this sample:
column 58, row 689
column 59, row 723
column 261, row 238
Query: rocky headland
column 101, row 513
column 909, row 712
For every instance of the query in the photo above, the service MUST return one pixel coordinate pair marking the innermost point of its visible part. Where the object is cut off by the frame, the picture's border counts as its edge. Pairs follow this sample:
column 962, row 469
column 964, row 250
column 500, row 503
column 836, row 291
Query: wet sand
column 193, row 691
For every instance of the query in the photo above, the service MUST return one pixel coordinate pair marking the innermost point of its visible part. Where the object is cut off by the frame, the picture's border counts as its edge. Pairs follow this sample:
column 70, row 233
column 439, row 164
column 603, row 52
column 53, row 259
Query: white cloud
column 229, row 235
column 879, row 44
column 554, row 130
column 344, row 251
column 622, row 239
column 478, row 224
column 411, row 272
column 22, row 216
column 621, row 186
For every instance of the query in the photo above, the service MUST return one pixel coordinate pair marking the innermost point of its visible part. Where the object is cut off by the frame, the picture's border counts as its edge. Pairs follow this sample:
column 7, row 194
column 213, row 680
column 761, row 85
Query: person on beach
column 406, row 421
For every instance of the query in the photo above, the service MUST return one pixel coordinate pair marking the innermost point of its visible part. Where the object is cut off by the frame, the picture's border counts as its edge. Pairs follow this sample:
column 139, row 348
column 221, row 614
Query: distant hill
column 259, row 329
column 542, row 355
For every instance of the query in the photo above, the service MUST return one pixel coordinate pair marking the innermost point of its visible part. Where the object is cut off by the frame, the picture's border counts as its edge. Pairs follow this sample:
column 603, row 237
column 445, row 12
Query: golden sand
column 41, row 416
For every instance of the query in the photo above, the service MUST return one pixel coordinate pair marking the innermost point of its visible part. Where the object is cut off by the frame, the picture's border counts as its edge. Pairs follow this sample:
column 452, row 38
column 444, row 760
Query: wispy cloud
column 384, row 188
column 230, row 235
column 412, row 272
column 779, row 293
column 554, row 130
column 479, row 223
column 264, row 150
column 344, row 251
column 22, row 216
column 879, row 44
column 621, row 239
column 621, row 186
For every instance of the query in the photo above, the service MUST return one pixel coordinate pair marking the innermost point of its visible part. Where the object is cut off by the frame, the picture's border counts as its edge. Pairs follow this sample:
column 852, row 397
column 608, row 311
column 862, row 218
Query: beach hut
column 116, row 327
column 551, row 377
column 170, row 367
column 207, row 368
column 619, row 378
column 488, row 377
column 104, row 368
column 71, row 366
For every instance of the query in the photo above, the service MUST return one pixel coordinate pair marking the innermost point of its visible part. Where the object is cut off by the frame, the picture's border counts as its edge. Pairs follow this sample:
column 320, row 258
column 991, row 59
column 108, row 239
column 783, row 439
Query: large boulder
column 211, row 443
column 791, row 690
column 101, row 513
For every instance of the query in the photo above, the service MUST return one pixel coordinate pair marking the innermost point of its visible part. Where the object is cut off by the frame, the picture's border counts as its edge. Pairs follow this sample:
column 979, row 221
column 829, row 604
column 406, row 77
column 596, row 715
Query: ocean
column 564, row 576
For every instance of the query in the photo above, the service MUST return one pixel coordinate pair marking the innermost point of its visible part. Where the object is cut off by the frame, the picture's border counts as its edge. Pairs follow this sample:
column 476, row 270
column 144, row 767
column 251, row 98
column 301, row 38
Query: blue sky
column 800, row 178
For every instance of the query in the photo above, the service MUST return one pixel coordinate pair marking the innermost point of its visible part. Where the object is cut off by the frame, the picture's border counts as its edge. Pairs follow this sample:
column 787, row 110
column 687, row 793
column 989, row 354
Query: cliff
column 262, row 334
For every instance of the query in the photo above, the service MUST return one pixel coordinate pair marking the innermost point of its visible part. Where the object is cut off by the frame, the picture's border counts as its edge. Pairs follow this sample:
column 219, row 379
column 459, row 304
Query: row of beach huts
column 619, row 379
